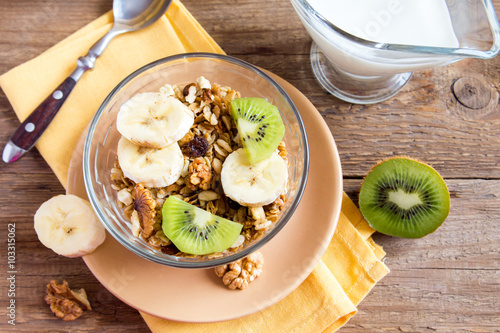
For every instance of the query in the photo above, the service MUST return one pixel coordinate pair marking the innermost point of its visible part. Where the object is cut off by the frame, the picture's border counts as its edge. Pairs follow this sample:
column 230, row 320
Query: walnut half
column 65, row 303
column 238, row 274
column 145, row 206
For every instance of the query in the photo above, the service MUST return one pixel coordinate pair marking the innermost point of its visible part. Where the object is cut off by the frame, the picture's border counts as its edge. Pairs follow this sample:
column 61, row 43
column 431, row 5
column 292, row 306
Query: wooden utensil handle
column 32, row 128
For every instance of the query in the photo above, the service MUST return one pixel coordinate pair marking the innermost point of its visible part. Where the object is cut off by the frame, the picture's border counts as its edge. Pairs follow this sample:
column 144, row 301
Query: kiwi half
column 404, row 197
column 196, row 231
column 260, row 126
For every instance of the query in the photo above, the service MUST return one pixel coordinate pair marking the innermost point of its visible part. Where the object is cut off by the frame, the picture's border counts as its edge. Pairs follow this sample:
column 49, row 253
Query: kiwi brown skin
column 387, row 222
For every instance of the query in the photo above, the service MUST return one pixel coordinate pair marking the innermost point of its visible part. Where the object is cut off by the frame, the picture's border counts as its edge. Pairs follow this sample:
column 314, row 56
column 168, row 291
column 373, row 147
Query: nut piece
column 207, row 95
column 208, row 195
column 189, row 92
column 259, row 215
column 125, row 197
column 167, row 90
column 65, row 303
column 136, row 224
column 282, row 150
column 239, row 241
column 253, row 265
column 65, row 309
column 145, row 205
column 238, row 274
column 200, row 174
column 203, row 83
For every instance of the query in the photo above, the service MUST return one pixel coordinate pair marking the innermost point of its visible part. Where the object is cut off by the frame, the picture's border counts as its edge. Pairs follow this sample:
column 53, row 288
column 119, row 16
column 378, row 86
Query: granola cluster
column 210, row 140
column 238, row 274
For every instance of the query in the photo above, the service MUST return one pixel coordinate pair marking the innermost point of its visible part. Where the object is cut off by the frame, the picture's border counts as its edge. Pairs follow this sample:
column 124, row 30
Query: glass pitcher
column 359, row 69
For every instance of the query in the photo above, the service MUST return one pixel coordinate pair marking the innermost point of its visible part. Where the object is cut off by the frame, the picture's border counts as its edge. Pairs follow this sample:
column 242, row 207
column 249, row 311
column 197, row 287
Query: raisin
column 233, row 204
column 197, row 147
column 169, row 249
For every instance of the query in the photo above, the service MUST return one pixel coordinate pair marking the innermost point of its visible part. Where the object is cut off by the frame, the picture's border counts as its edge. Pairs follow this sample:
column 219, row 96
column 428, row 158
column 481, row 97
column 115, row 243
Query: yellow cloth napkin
column 326, row 300
column 351, row 265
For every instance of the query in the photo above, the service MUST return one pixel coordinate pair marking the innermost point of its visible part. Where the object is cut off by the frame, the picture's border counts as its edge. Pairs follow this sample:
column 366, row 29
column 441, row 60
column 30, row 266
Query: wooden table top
column 448, row 281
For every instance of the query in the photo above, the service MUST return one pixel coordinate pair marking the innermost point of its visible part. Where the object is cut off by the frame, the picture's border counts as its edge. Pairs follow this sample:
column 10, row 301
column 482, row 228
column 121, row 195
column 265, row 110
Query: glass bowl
column 99, row 154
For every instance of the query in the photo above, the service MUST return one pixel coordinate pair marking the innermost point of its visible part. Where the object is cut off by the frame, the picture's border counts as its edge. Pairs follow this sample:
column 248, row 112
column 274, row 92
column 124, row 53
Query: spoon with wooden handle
column 129, row 15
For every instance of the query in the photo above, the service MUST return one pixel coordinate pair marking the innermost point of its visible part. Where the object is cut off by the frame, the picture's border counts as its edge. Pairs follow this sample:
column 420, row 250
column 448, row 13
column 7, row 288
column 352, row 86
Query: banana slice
column 154, row 120
column 67, row 225
column 256, row 184
column 149, row 166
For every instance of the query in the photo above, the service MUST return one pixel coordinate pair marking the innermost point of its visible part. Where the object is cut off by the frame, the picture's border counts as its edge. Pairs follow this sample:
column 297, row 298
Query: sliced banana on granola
column 256, row 184
column 149, row 166
column 67, row 225
column 154, row 120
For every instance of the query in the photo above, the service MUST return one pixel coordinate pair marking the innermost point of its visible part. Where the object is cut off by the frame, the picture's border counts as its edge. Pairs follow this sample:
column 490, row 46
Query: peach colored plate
column 198, row 295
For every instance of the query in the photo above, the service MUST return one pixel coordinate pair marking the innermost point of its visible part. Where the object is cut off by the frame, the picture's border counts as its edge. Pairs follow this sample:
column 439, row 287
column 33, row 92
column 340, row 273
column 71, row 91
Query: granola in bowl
column 211, row 138
column 196, row 164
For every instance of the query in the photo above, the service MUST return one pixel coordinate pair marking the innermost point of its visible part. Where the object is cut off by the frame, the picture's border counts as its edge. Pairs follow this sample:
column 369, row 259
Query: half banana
column 254, row 185
column 149, row 166
column 67, row 225
column 154, row 120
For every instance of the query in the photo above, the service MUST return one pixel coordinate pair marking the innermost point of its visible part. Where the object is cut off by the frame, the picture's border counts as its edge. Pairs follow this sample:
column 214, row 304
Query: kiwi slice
column 405, row 198
column 196, row 231
column 260, row 126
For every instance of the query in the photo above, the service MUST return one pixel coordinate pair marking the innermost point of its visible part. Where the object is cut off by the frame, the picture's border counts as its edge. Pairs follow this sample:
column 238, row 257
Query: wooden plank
column 445, row 282
column 450, row 274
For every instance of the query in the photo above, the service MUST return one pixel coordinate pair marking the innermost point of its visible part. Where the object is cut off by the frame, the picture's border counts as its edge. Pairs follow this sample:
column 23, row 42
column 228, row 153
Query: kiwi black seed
column 196, row 231
column 404, row 197
column 260, row 126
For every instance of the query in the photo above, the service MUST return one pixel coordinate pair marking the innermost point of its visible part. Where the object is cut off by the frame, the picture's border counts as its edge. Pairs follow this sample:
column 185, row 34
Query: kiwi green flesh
column 196, row 231
column 260, row 126
column 404, row 198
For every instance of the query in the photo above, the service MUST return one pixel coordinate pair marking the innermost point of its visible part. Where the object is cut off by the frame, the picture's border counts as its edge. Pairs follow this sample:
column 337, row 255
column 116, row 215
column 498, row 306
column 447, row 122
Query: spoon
column 129, row 15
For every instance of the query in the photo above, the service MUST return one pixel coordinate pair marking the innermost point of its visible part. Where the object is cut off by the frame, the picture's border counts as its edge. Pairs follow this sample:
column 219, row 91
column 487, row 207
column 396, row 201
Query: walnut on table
column 238, row 274
column 65, row 303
